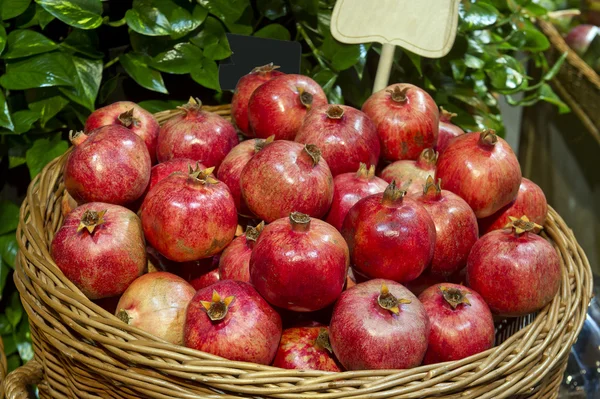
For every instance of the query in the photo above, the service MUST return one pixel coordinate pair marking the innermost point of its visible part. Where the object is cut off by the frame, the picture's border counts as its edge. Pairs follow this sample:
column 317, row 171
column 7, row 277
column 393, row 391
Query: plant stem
column 314, row 49
column 115, row 24
column 111, row 62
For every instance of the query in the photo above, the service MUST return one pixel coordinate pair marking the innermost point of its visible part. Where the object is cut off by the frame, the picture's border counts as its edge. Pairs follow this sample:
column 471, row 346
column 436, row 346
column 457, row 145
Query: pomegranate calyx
column 392, row 194
column 127, row 119
column 252, row 233
column 427, row 159
column 262, row 143
column 299, row 221
column 305, row 97
column 431, row 188
column 446, row 116
column 90, row 219
column 322, row 340
column 488, row 137
column 398, row 94
column 522, row 225
column 124, row 316
column 77, row 138
column 265, row 68
column 362, row 172
column 454, row 296
column 335, row 112
column 204, row 176
column 217, row 308
column 388, row 301
column 314, row 153
column 193, row 105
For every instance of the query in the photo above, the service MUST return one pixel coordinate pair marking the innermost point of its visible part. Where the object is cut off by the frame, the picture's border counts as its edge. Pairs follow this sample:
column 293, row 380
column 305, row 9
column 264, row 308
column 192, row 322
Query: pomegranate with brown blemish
column 411, row 175
column 305, row 348
column 447, row 130
column 235, row 260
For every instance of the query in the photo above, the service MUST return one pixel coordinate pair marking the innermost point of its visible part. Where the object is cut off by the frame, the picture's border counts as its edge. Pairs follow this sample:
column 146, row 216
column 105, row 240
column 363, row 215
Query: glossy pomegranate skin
column 244, row 89
column 299, row 350
column 199, row 135
column 186, row 219
column 276, row 108
column 345, row 136
column 365, row 336
column 102, row 263
column 283, row 178
column 111, row 165
column 515, row 274
column 447, row 130
column 580, row 37
column 156, row 303
column 487, row 176
column 349, row 188
column 235, row 260
column 388, row 239
column 299, row 266
column 530, row 201
column 140, row 122
column 407, row 126
column 250, row 331
column 411, row 175
column 458, row 332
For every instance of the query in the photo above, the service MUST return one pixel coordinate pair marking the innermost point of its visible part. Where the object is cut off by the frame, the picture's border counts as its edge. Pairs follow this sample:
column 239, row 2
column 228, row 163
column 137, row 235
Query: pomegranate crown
column 334, row 111
column 259, row 144
column 265, row 68
column 522, row 225
column 77, row 137
column 314, row 152
column 427, row 158
column 193, row 105
column 398, row 94
column 388, row 301
column 322, row 340
column 90, row 219
column 204, row 176
column 454, row 296
column 488, row 137
column 306, row 98
column 365, row 173
column 446, row 116
column 127, row 119
column 252, row 233
column 217, row 308
column 432, row 188
column 393, row 194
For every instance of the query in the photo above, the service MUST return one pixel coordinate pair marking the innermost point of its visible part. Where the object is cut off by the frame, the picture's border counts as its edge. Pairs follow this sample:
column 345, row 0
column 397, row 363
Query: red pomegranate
column 110, row 165
column 156, row 303
column 447, row 130
column 345, row 136
column 232, row 166
column 580, row 38
column 524, row 279
column 389, row 236
column 427, row 279
column 100, row 248
column 530, row 201
column 411, row 175
column 165, row 169
column 299, row 263
column 189, row 216
column 200, row 135
column 305, row 348
column 461, row 323
column 406, row 118
column 286, row 177
column 130, row 115
column 379, row 324
column 244, row 89
column 230, row 319
column 349, row 188
column 455, row 225
column 235, row 260
column 482, row 169
column 278, row 107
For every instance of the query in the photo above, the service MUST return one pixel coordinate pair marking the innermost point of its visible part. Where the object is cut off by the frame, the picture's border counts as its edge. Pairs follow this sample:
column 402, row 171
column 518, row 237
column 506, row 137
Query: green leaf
column 9, row 216
column 34, row 15
column 43, row 16
column 212, row 40
column 476, row 15
column 44, row 151
column 229, row 10
column 415, row 59
column 529, row 40
column 506, row 74
column 86, row 82
column 536, row 10
column 5, row 118
column 8, row 249
column 179, row 60
column 83, row 14
column 473, row 62
column 325, row 78
column 137, row 66
column 154, row 106
column 13, row 8
column 458, row 68
column 14, row 311
column 44, row 70
column 2, row 38
column 206, row 73
column 164, row 17
column 23, row 120
column 334, row 96
column 547, row 94
column 25, row 42
column 108, row 87
column 48, row 107
column 24, row 346
column 4, row 272
column 5, row 327
column 84, row 42
column 273, row 31
column 342, row 56
column 272, row 9
column 310, row 7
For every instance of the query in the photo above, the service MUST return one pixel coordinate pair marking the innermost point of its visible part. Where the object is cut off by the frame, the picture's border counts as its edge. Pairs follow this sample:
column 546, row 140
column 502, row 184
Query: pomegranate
column 230, row 319
column 165, row 169
column 389, row 236
column 426, row 280
column 349, row 188
column 110, row 165
column 299, row 263
column 235, row 260
column 379, row 324
column 100, row 248
column 411, row 175
column 482, row 169
column 515, row 270
column 285, row 177
column 244, row 89
column 156, row 303
column 199, row 281
column 406, row 118
column 461, row 323
column 130, row 115
column 447, row 130
column 278, row 107
column 580, row 37
column 189, row 216
column 530, row 201
column 305, row 348
column 196, row 134
column 346, row 137
column 455, row 226
column 232, row 166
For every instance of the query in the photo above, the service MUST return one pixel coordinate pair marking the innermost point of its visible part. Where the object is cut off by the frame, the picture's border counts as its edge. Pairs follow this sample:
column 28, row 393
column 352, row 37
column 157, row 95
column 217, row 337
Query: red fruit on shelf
column 286, row 177
column 235, row 260
column 162, row 170
column 277, row 107
column 580, row 38
column 524, row 279
column 389, row 236
column 407, row 120
column 131, row 116
column 111, row 165
column 411, row 175
column 100, row 248
column 379, row 324
column 299, row 263
column 244, row 89
column 447, row 130
column 189, row 216
column 461, row 323
column 230, row 319
column 482, row 169
column 305, row 348
column 345, row 136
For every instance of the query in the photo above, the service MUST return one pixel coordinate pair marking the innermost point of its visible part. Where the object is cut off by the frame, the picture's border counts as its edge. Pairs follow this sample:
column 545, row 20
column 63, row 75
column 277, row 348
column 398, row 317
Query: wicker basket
column 82, row 351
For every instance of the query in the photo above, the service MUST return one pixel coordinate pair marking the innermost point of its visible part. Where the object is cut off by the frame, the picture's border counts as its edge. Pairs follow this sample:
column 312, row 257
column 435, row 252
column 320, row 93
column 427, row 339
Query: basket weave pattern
column 82, row 351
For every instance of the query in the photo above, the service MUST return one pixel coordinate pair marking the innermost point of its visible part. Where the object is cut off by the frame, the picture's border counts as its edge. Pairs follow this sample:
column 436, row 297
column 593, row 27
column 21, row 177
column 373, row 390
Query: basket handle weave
column 16, row 385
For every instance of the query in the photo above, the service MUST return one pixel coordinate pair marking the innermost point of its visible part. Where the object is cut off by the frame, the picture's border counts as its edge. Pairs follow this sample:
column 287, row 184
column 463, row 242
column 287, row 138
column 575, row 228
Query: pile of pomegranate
column 330, row 239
